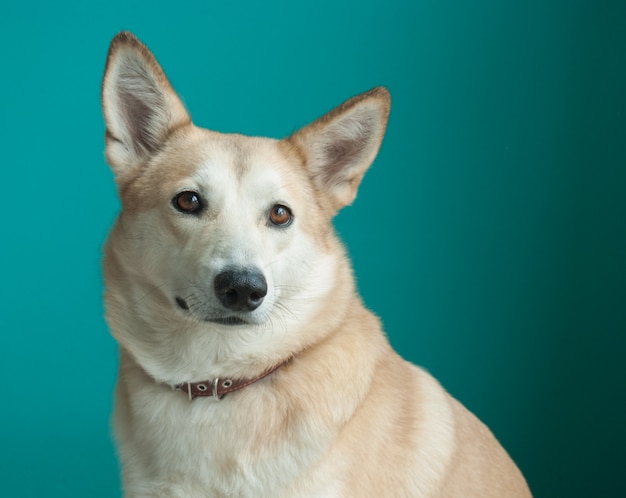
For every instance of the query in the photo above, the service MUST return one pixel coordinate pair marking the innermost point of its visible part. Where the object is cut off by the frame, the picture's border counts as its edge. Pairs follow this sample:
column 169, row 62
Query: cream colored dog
column 249, row 366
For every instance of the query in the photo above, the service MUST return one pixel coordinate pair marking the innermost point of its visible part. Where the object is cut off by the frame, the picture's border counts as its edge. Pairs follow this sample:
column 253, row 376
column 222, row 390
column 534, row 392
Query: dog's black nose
column 240, row 289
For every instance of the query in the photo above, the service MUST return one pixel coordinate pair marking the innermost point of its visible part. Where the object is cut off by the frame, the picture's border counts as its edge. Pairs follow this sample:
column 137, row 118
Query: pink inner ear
column 342, row 152
column 347, row 144
column 137, row 116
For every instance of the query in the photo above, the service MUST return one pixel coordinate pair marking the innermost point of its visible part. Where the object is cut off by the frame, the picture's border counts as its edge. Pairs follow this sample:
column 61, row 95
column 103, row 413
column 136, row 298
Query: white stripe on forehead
column 251, row 168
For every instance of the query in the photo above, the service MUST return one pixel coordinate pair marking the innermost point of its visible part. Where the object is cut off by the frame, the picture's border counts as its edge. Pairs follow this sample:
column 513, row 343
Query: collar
column 219, row 387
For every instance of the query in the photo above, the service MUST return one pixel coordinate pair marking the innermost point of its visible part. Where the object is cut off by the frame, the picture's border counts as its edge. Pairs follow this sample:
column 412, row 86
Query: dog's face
column 222, row 225
column 224, row 249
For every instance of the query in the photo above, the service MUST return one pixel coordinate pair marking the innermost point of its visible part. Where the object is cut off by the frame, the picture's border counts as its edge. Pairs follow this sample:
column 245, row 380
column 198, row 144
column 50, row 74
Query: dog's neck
column 219, row 387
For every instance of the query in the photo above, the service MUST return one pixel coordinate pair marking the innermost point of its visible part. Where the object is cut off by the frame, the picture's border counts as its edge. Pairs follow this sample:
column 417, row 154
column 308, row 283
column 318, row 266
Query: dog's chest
column 234, row 447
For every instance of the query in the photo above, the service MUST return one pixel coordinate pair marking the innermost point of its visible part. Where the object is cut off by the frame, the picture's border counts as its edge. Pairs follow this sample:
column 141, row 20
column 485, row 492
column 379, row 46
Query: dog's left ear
column 341, row 145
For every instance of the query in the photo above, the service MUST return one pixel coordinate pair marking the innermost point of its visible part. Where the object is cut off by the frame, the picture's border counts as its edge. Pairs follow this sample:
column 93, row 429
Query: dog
column 249, row 366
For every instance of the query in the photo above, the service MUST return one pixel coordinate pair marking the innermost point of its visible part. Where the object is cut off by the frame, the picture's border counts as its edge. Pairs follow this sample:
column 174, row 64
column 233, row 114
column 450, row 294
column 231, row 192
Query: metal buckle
column 216, row 382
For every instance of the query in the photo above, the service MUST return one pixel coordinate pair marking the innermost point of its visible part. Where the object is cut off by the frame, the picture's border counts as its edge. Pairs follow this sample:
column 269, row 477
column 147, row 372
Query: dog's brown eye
column 187, row 202
column 281, row 215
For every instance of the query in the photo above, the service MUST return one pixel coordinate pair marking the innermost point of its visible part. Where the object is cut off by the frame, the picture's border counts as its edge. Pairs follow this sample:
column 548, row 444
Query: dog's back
column 249, row 365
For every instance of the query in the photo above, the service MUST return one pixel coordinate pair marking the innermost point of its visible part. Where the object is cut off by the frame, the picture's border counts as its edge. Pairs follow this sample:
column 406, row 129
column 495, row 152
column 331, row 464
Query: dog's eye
column 281, row 215
column 187, row 202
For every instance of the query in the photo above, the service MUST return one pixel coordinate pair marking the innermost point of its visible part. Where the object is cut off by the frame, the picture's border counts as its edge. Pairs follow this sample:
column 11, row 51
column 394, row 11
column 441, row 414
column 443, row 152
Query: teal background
column 489, row 235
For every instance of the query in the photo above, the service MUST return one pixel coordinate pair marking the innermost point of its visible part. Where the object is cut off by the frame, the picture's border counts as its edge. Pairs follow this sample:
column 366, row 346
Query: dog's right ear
column 140, row 106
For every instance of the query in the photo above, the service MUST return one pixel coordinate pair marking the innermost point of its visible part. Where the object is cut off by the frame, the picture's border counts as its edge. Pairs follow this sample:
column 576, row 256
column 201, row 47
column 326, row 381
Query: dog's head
column 224, row 253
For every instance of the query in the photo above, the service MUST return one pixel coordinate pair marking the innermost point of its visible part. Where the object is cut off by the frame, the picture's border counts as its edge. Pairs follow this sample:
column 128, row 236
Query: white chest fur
column 246, row 445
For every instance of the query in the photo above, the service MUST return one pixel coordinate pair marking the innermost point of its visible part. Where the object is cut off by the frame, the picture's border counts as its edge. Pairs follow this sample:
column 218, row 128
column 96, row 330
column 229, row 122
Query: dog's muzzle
column 238, row 292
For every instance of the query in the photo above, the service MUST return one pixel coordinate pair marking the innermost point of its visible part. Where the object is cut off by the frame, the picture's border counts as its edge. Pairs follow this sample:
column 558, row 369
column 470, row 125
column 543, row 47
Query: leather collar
column 219, row 387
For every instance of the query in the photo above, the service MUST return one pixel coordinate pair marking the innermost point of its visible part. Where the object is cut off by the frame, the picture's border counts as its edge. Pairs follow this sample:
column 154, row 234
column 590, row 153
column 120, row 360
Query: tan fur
column 345, row 416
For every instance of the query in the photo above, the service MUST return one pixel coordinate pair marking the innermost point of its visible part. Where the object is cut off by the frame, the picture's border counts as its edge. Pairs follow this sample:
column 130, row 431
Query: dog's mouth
column 229, row 320
column 226, row 320
column 182, row 304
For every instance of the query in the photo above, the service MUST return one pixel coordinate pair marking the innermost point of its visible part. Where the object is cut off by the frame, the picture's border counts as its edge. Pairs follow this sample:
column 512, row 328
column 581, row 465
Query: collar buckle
column 216, row 394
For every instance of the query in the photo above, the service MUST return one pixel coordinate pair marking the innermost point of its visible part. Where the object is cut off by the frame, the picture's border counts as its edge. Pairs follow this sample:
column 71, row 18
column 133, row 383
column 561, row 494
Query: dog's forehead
column 238, row 153
column 250, row 163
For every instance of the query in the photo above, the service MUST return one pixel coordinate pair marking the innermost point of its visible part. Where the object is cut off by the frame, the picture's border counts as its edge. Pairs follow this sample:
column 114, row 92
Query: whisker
column 287, row 311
